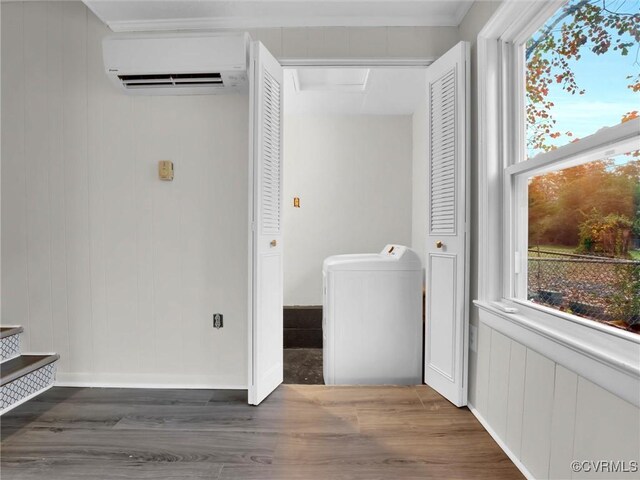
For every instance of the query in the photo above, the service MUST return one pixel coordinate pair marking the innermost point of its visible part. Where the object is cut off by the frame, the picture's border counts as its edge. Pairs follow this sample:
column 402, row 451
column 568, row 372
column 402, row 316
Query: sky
column 606, row 96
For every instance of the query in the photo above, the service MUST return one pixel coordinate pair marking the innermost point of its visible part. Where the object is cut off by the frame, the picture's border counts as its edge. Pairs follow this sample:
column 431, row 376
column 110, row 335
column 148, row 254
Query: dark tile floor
column 303, row 366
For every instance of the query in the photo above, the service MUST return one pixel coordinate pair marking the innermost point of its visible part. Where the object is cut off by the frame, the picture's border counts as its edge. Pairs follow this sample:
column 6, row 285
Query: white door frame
column 357, row 62
column 311, row 63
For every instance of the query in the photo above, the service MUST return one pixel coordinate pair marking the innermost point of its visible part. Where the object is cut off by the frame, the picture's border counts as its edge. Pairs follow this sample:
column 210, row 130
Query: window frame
column 503, row 219
column 612, row 141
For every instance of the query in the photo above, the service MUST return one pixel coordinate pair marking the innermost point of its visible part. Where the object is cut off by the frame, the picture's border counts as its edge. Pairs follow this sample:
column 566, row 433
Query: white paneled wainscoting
column 544, row 415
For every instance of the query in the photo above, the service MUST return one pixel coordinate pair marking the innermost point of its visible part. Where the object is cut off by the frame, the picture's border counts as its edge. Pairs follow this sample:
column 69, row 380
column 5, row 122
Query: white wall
column 0, row 160
column 103, row 263
column 419, row 199
column 544, row 414
column 357, row 42
column 473, row 22
column 353, row 177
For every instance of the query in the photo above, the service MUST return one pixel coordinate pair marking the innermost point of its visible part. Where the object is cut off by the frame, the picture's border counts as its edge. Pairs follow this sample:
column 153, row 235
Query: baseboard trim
column 169, row 386
column 194, row 382
column 516, row 461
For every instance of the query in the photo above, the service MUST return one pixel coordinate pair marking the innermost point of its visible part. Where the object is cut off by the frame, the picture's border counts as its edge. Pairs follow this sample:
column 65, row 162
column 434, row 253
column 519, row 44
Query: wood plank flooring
column 301, row 432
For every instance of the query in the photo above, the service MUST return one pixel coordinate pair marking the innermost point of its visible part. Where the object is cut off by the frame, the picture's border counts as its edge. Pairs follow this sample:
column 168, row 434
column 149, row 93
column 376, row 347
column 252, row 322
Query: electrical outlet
column 217, row 320
column 473, row 338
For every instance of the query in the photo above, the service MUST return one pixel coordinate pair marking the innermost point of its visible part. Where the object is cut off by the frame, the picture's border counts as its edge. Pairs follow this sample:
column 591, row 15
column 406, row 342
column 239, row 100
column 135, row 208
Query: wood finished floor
column 301, row 432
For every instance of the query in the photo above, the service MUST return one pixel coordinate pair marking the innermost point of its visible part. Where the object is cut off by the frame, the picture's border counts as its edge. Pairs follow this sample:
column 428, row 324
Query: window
column 582, row 72
column 575, row 226
column 583, row 253
column 515, row 297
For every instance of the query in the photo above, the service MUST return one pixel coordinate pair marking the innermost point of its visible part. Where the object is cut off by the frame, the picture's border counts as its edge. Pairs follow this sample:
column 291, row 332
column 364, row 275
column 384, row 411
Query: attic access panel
column 331, row 79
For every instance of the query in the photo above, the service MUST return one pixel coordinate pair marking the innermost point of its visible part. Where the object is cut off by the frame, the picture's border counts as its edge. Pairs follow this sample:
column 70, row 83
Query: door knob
column 439, row 244
column 273, row 243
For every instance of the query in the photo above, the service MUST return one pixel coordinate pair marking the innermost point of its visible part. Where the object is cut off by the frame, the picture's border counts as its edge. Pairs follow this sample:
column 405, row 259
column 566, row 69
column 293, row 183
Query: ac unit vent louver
column 172, row 80
column 177, row 63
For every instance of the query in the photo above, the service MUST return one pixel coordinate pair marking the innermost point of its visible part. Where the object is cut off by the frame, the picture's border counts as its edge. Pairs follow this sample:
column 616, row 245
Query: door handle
column 273, row 243
column 439, row 244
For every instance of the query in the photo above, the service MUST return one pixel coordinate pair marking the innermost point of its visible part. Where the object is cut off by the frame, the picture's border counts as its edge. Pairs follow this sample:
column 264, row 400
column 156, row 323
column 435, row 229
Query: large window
column 558, row 213
column 576, row 186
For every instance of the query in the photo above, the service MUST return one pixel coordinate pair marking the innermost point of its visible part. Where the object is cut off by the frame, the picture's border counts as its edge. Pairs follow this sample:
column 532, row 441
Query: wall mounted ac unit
column 178, row 64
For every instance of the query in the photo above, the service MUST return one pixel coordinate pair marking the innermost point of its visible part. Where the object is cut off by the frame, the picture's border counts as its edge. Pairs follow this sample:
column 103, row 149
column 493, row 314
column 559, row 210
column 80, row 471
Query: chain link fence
column 602, row 289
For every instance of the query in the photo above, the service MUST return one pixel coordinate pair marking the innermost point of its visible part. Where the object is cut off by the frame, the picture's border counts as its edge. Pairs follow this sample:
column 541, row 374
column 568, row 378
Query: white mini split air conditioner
column 178, row 64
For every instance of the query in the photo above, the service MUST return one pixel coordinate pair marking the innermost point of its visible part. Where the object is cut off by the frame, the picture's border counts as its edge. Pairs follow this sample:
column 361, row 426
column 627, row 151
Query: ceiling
column 388, row 91
column 141, row 15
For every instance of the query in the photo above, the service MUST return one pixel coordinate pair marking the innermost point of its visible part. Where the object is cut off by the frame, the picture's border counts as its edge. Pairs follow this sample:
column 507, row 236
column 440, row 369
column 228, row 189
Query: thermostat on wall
column 165, row 170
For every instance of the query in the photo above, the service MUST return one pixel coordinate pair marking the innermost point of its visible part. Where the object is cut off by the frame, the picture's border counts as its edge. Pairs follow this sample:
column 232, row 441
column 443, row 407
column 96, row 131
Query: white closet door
column 447, row 251
column 266, row 349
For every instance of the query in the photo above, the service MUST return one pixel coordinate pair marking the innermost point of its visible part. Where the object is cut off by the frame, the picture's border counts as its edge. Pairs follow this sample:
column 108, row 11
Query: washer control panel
column 395, row 251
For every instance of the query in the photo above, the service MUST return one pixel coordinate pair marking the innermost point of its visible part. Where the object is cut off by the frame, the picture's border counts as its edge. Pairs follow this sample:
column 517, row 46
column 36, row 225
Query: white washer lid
column 392, row 257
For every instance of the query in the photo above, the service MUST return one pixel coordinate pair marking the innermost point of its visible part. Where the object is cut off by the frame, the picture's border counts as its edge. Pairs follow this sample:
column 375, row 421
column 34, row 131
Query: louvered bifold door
column 265, row 349
column 447, row 249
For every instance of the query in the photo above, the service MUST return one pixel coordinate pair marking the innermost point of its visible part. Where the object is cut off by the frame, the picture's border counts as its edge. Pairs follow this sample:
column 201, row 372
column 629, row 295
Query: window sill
column 592, row 326
column 609, row 360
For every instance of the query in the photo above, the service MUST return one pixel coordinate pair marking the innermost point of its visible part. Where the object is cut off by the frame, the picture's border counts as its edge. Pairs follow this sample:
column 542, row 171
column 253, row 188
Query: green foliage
column 608, row 235
column 559, row 202
column 625, row 303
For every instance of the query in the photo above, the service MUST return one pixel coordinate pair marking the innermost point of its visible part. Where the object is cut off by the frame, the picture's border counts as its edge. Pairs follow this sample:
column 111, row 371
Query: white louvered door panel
column 442, row 213
column 265, row 325
column 447, row 239
column 271, row 160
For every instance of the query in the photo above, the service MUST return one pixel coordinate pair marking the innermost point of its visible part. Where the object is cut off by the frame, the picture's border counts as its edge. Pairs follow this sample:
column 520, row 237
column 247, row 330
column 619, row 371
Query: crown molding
column 238, row 23
column 462, row 11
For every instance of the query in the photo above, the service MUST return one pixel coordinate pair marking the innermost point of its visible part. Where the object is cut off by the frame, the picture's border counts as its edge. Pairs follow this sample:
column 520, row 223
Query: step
column 9, row 342
column 10, row 330
column 24, row 377
column 302, row 326
column 302, row 338
column 302, row 316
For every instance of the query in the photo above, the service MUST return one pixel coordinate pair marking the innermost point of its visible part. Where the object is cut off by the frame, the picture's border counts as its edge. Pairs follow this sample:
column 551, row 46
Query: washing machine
column 372, row 318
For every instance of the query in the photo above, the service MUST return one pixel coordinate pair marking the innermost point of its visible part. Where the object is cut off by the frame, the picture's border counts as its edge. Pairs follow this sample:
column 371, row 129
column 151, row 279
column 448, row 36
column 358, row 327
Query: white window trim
column 604, row 355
